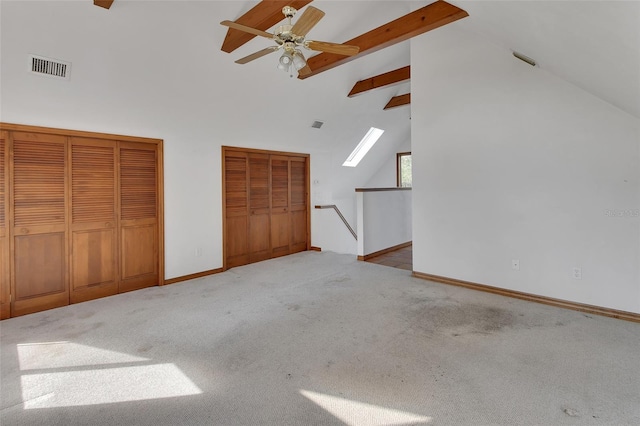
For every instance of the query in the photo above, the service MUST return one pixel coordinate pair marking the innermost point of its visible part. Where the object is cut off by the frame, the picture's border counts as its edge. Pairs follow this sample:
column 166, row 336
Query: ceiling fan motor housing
column 284, row 33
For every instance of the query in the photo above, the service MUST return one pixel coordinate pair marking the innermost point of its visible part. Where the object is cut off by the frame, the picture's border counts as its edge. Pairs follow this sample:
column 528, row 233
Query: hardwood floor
column 401, row 259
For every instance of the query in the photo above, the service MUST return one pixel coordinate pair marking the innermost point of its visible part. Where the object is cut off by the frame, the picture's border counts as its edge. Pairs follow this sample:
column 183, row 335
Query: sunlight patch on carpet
column 359, row 413
column 105, row 386
column 38, row 356
column 65, row 374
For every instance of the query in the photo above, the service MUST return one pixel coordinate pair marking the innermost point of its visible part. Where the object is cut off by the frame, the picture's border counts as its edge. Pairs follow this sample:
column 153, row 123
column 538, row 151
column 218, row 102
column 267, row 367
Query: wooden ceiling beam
column 397, row 101
column 383, row 80
column 415, row 23
column 262, row 16
column 103, row 3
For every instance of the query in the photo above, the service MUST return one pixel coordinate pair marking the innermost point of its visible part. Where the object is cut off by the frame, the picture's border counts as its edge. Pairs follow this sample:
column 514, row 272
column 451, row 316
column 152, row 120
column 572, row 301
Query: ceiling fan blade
column 339, row 49
column 246, row 29
column 304, row 70
column 258, row 54
column 308, row 20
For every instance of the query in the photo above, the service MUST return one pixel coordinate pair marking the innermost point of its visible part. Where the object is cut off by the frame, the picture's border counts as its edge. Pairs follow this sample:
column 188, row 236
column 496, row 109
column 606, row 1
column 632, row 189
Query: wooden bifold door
column 265, row 203
column 85, row 217
column 5, row 293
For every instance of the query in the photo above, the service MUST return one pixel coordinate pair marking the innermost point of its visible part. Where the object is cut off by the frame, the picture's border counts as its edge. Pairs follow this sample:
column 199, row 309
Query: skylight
column 363, row 147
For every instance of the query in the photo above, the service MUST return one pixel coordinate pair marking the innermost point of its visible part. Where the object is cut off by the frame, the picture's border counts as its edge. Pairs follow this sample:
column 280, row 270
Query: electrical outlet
column 515, row 264
column 577, row 273
column 198, row 252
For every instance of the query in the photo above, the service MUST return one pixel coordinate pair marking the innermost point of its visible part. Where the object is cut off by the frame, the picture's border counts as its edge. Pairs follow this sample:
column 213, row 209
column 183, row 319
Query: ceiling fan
column 290, row 38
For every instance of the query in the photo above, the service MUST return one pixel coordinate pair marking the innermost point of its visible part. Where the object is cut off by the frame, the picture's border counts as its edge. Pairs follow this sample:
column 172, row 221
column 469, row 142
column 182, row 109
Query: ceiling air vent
column 49, row 67
column 317, row 124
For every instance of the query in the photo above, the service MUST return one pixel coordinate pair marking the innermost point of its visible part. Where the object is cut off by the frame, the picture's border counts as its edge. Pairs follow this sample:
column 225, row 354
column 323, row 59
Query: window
column 404, row 169
column 363, row 147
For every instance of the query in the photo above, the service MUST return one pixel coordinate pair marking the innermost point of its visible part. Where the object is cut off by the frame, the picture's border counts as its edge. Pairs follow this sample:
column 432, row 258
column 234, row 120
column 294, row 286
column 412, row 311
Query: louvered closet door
column 236, row 192
column 299, row 205
column 266, row 201
column 5, row 311
column 259, row 211
column 94, row 238
column 39, row 274
column 138, row 216
column 280, row 206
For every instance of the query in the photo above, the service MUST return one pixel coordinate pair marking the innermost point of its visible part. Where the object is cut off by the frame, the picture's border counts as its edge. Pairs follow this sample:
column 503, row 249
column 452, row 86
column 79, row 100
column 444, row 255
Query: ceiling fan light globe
column 282, row 67
column 285, row 61
column 286, row 58
column 298, row 60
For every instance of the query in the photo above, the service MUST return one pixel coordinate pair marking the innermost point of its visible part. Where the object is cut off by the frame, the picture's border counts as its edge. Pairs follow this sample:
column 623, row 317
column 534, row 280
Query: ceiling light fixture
column 285, row 61
column 298, row 60
column 363, row 147
column 291, row 56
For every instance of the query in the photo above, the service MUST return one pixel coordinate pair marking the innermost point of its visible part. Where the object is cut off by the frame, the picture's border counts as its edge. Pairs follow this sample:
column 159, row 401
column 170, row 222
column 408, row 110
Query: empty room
column 319, row 212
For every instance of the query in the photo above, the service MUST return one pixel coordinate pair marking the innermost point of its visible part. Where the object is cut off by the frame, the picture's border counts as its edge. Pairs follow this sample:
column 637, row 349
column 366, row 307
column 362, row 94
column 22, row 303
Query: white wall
column 510, row 162
column 386, row 177
column 384, row 220
column 155, row 69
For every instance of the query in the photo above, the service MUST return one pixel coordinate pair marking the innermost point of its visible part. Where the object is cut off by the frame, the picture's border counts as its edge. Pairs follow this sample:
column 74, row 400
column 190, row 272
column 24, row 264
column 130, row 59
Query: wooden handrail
column 333, row 206
column 399, row 188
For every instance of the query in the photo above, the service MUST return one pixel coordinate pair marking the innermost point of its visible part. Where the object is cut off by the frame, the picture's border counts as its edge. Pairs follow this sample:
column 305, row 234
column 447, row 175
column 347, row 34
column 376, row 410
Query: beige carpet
column 317, row 339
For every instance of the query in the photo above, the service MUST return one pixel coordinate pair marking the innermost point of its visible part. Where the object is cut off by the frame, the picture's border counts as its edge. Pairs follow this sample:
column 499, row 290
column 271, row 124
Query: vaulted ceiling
column 591, row 44
column 594, row 45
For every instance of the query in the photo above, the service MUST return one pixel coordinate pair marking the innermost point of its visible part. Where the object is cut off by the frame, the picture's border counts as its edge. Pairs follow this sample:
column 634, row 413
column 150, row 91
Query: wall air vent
column 49, row 67
column 524, row 58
